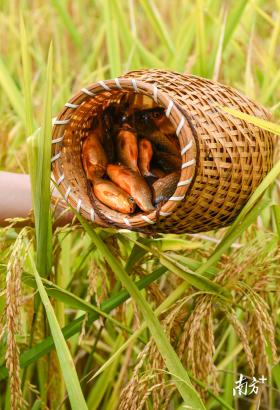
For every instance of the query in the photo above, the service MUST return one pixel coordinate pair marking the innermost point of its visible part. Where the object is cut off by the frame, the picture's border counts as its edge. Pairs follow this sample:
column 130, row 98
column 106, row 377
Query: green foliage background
column 210, row 304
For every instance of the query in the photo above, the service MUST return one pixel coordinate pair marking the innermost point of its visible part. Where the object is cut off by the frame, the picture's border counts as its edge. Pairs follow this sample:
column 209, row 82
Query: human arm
column 16, row 199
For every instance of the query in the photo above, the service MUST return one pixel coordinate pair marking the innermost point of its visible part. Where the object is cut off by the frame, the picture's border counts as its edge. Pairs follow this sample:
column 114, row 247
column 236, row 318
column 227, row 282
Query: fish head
column 144, row 120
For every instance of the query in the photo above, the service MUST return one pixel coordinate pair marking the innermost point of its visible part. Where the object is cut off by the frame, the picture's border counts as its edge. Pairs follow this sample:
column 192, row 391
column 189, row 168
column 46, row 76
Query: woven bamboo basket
column 223, row 158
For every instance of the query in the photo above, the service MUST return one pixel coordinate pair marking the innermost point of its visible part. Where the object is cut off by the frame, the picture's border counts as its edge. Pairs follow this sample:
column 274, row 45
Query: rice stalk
column 13, row 313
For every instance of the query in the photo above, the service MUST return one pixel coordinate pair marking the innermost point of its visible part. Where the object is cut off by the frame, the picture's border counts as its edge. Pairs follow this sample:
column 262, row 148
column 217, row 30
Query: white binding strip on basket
column 155, row 93
column 105, row 86
column 92, row 214
column 186, row 148
column 165, row 213
column 188, row 163
column 134, row 84
column 61, row 122
column 126, row 221
column 57, row 140
column 184, row 183
column 69, row 189
column 169, row 108
column 118, row 84
column 176, row 198
column 146, row 219
column 70, row 105
column 180, row 126
column 78, row 208
column 86, row 91
column 60, row 179
column 56, row 156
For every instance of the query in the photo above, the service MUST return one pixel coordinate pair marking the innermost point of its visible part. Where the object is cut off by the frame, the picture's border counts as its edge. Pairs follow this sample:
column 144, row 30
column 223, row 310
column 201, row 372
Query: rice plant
column 106, row 318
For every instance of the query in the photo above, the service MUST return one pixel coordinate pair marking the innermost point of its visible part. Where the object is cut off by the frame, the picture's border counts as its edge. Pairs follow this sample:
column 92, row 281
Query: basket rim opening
column 184, row 130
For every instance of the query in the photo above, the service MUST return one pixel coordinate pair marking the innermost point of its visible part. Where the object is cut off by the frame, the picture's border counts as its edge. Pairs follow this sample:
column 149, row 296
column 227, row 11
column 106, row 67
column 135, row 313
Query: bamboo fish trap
column 223, row 158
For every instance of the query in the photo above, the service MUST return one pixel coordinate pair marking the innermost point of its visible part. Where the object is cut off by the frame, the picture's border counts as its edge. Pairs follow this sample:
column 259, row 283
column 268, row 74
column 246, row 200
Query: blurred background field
column 216, row 339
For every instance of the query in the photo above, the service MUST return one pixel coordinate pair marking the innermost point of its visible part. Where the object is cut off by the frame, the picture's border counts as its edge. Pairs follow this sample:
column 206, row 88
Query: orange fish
column 111, row 195
column 94, row 157
column 127, row 148
column 145, row 156
column 133, row 183
column 164, row 187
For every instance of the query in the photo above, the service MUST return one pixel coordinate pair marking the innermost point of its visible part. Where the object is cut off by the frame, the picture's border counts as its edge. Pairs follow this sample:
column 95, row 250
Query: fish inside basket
column 130, row 155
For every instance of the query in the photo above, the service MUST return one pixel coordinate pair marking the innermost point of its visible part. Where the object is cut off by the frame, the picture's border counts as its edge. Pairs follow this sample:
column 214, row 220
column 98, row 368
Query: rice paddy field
column 111, row 319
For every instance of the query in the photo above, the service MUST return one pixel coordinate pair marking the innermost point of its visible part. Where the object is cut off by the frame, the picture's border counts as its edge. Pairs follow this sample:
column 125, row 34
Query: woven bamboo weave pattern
column 223, row 158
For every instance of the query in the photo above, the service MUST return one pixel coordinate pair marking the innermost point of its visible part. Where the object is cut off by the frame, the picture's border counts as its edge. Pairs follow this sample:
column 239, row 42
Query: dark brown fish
column 163, row 123
column 145, row 149
column 157, row 172
column 145, row 117
column 168, row 162
column 145, row 122
column 164, row 187
column 133, row 183
column 94, row 157
column 116, row 111
column 108, row 125
column 96, row 126
column 111, row 195
column 127, row 148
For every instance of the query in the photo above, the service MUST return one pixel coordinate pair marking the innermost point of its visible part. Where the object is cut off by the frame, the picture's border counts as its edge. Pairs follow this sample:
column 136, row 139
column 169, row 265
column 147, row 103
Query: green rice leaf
column 218, row 55
column 200, row 38
column 184, row 44
column 11, row 90
column 150, row 59
column 229, row 377
column 259, row 122
column 234, row 20
column 42, row 188
column 276, row 213
column 127, row 36
column 174, row 244
column 99, row 389
column 27, row 76
column 112, row 36
column 157, row 23
column 32, row 155
column 67, row 21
